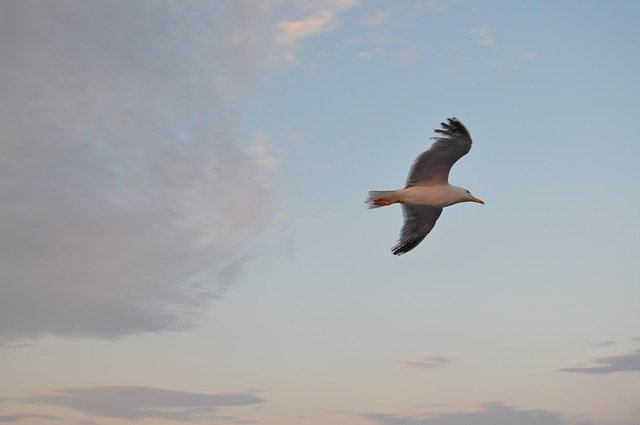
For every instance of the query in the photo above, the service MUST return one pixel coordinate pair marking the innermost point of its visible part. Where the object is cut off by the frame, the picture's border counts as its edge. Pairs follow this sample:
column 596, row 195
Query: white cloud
column 290, row 33
column 437, row 5
column 127, row 200
column 136, row 403
column 368, row 54
column 527, row 57
column 515, row 61
column 483, row 36
column 489, row 414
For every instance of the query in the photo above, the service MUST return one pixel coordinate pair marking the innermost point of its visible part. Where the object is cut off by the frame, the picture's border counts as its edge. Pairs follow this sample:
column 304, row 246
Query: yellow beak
column 480, row 201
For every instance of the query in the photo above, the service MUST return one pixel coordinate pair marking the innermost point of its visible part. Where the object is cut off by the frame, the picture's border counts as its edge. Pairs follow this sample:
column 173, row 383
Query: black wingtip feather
column 405, row 246
column 452, row 128
column 399, row 250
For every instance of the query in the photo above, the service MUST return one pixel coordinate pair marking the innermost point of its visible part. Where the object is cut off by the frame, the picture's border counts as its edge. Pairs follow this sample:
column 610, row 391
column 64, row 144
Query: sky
column 184, row 238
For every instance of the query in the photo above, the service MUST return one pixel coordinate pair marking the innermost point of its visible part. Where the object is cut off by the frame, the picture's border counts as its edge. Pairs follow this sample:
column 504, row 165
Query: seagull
column 427, row 190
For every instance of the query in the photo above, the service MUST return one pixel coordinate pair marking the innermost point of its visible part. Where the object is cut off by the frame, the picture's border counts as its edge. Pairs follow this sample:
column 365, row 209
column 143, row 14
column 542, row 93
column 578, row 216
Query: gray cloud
column 604, row 343
column 490, row 414
column 127, row 200
column 629, row 362
column 21, row 417
column 135, row 403
column 428, row 362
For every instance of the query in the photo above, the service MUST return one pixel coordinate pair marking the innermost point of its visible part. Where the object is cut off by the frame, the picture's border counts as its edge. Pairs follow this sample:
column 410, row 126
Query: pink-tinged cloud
column 290, row 33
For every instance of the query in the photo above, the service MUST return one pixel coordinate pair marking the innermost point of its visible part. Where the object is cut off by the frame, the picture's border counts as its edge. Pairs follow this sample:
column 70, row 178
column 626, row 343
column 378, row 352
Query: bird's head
column 468, row 197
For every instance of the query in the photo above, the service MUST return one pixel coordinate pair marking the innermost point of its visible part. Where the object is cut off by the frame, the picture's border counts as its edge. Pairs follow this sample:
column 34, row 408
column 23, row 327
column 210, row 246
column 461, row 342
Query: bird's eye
column 468, row 192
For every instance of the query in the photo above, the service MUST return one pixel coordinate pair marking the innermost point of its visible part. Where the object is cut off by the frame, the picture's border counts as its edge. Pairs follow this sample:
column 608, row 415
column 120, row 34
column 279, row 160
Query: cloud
column 515, row 61
column 368, row 54
column 428, row 362
column 135, row 403
column 527, row 57
column 127, row 198
column 629, row 362
column 436, row 5
column 483, row 36
column 408, row 55
column 489, row 414
column 290, row 33
column 377, row 18
column 260, row 151
column 21, row 417
column 604, row 343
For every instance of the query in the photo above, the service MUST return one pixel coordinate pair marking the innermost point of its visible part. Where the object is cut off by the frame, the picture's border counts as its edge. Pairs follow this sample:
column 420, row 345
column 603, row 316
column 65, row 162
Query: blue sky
column 185, row 238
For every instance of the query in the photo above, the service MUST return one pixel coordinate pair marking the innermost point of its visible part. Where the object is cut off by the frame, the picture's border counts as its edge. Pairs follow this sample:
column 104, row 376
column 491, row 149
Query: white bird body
column 427, row 190
column 434, row 196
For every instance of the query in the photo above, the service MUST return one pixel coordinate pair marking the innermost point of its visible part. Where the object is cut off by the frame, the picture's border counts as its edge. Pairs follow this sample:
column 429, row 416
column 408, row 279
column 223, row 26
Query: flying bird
column 427, row 190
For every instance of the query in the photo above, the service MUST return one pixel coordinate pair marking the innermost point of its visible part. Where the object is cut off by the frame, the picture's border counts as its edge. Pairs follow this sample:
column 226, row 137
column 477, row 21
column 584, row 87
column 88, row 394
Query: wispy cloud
column 514, row 61
column 290, row 33
column 23, row 417
column 261, row 152
column 127, row 198
column 428, row 362
column 604, row 343
column 370, row 53
column 136, row 403
column 378, row 45
column 437, row 5
column 483, row 36
column 527, row 57
column 490, row 413
column 408, row 55
column 629, row 362
column 377, row 18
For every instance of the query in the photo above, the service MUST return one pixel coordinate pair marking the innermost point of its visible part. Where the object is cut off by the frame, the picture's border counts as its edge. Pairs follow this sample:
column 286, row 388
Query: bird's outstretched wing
column 432, row 166
column 418, row 222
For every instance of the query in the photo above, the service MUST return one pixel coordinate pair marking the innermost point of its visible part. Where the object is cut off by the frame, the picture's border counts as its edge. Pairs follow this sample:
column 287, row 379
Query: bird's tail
column 381, row 198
